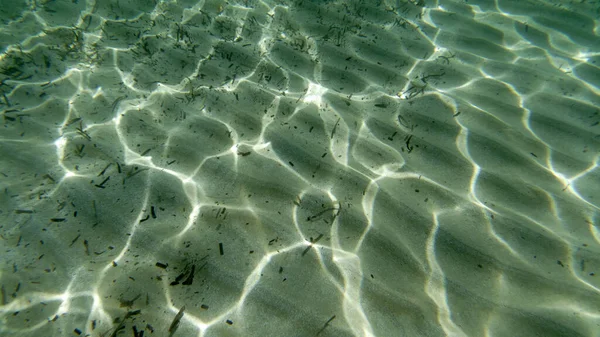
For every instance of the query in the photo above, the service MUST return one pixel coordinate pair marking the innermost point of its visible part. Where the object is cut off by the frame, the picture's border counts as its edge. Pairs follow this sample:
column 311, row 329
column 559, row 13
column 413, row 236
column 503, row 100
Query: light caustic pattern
column 299, row 168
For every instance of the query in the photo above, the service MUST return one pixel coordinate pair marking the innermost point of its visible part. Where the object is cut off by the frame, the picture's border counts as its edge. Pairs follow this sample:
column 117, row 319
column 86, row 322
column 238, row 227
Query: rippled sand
column 300, row 168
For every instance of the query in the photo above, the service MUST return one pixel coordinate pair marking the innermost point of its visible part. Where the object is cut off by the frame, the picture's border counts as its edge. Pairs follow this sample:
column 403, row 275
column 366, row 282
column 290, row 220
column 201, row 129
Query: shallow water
column 300, row 168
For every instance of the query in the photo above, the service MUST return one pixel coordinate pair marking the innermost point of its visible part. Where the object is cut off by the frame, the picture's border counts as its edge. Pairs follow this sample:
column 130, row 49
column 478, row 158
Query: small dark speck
column 372, row 276
column 480, row 266
column 230, row 322
column 560, row 263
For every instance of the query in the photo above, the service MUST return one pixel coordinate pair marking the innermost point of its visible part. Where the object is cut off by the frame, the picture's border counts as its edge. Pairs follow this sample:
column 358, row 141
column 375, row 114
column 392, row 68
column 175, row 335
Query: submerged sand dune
column 300, row 168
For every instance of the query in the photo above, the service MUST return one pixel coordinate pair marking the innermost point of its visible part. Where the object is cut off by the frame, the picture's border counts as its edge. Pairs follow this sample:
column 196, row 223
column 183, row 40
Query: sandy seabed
column 299, row 168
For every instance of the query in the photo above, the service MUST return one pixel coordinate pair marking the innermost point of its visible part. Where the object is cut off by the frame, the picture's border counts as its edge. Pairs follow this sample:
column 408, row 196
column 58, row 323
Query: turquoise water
column 299, row 168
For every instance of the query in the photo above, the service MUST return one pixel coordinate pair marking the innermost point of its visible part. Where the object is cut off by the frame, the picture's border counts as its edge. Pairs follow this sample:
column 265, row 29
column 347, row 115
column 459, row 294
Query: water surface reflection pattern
column 300, row 168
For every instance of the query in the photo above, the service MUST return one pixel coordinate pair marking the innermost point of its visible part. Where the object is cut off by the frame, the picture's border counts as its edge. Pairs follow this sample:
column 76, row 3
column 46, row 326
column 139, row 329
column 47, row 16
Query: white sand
column 300, row 168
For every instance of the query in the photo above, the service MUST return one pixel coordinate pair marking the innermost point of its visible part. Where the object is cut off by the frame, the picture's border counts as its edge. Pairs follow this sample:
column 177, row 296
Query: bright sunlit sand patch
column 299, row 168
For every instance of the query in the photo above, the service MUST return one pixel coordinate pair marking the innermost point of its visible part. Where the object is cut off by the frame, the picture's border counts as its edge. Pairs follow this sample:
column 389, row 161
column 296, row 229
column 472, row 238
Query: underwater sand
column 300, row 168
